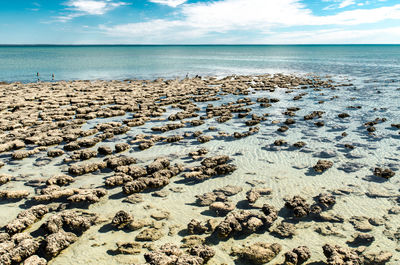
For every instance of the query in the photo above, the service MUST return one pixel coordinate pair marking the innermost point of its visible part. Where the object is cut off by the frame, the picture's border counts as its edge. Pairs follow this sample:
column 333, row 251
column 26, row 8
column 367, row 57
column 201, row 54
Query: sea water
column 22, row 63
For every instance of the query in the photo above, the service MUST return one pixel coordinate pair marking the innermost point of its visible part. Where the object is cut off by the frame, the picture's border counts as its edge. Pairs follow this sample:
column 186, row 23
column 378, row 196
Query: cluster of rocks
column 55, row 192
column 246, row 221
column 158, row 174
column 300, row 208
column 172, row 254
column 17, row 246
column 211, row 166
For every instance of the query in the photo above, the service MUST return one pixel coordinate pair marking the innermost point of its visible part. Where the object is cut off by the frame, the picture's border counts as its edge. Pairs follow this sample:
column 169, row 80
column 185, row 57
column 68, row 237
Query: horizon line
column 310, row 44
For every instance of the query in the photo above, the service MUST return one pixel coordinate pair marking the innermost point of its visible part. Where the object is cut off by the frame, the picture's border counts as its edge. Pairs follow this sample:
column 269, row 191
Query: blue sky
column 199, row 21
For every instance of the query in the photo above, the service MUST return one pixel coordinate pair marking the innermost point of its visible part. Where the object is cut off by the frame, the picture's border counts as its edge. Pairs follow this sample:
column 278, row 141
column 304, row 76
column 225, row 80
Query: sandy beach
column 277, row 169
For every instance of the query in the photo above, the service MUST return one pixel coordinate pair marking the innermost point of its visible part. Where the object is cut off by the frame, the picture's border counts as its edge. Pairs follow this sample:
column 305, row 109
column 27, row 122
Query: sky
column 200, row 22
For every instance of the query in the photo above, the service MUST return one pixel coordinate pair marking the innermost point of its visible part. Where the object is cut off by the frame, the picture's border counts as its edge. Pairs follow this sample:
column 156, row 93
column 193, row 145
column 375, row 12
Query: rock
column 4, row 178
column 35, row 260
column 60, row 180
column 326, row 200
column 149, row 234
column 280, row 142
column 322, row 165
column 160, row 193
column 246, row 221
column 20, row 247
column 329, row 217
column 26, row 218
column 121, row 219
column 283, row 128
column 204, row 138
column 208, row 198
column 284, row 230
column 339, row 255
column 383, row 173
column 254, row 193
column 361, row 239
column 87, row 195
column 299, row 206
column 14, row 195
column 118, row 179
column 214, row 161
column 299, row 144
column 160, row 215
column 120, row 147
column 104, row 150
column 380, row 258
column 131, row 248
column 84, row 154
column 343, row 115
column 229, row 190
column 222, row 208
column 134, row 199
column 329, row 230
column 117, row 161
column 171, row 254
column 80, row 169
column 202, row 251
column 143, row 183
column 191, row 241
column 361, row 223
column 174, row 138
column 55, row 153
column 259, row 253
column 70, row 220
column 297, row 256
column 197, row 228
column 198, row 154
column 157, row 165
column 58, row 241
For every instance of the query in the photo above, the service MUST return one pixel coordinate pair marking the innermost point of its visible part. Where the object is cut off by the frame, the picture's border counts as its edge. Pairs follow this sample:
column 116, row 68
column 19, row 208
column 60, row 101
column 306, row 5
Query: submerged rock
column 259, row 253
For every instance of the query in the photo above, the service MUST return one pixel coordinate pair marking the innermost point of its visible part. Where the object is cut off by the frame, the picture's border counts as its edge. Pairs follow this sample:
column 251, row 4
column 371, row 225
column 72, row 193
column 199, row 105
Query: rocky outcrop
column 246, row 221
column 210, row 167
column 258, row 253
column 70, row 220
column 172, row 255
column 339, row 255
column 297, row 256
column 322, row 166
column 121, row 219
column 26, row 218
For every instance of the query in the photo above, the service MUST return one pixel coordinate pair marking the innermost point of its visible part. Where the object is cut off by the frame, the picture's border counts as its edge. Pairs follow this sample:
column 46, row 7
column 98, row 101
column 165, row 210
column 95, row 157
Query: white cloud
column 346, row 3
column 88, row 7
column 389, row 35
column 171, row 3
column 225, row 16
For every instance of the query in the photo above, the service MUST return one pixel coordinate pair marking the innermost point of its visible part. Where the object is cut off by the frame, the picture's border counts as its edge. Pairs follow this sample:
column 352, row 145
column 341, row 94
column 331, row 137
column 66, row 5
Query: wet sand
column 234, row 170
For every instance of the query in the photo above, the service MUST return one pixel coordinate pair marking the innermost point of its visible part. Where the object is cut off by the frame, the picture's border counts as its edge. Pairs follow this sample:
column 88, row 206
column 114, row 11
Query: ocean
column 21, row 63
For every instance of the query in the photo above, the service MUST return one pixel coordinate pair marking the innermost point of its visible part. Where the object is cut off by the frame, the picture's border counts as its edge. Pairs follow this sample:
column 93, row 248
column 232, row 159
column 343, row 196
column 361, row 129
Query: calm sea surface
column 21, row 63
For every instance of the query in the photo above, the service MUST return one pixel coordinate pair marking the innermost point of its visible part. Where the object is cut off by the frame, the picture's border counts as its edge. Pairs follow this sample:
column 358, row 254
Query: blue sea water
column 21, row 63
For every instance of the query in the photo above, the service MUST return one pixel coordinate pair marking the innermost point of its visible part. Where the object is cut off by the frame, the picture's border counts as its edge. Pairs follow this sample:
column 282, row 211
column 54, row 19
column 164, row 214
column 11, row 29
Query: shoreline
column 214, row 166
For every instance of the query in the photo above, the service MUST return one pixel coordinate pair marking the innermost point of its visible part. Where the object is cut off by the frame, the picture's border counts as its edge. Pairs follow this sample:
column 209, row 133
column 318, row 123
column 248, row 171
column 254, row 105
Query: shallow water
column 285, row 170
